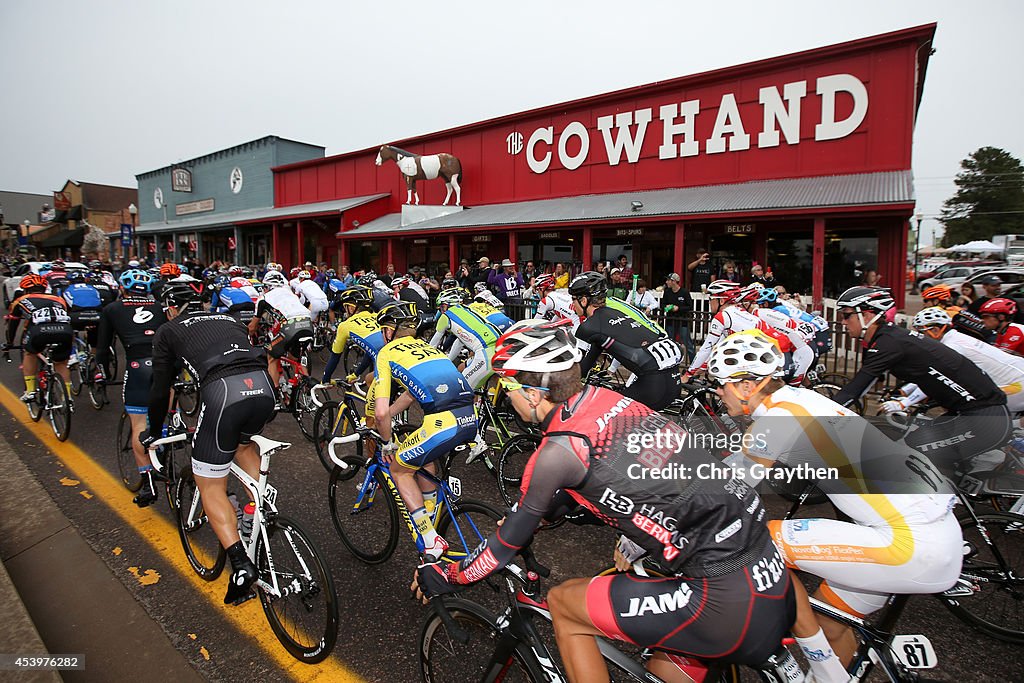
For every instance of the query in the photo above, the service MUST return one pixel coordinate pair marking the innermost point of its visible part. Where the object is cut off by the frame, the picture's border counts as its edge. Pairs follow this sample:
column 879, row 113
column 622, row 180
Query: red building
column 800, row 162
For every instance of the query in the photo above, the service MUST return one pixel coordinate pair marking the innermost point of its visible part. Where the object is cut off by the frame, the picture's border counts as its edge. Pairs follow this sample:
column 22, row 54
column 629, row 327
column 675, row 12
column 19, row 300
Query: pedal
column 962, row 589
column 244, row 599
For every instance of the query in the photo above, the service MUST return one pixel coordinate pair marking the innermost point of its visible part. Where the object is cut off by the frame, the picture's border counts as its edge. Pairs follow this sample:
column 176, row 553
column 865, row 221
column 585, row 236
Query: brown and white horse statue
column 426, row 167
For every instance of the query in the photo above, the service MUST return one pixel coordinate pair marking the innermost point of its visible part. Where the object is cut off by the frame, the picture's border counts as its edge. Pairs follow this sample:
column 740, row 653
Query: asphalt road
column 379, row 622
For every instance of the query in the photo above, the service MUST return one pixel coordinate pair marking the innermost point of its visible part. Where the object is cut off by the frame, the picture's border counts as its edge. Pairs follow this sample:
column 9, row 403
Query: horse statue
column 427, row 167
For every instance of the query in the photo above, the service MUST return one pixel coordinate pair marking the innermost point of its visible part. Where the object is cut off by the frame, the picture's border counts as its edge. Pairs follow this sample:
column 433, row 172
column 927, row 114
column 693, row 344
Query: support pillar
column 678, row 252
column 818, row 263
column 343, row 251
column 389, row 254
column 587, row 257
column 453, row 254
column 513, row 246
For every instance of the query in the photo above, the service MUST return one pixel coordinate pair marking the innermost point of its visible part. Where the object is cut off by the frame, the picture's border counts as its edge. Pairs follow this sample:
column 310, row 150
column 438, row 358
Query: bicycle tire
column 1006, row 532
column 126, row 465
column 35, row 406
column 77, row 378
column 97, row 390
column 343, row 494
column 511, row 464
column 58, row 409
column 202, row 548
column 443, row 659
column 350, row 359
column 468, row 517
column 307, row 581
column 323, row 432
column 188, row 397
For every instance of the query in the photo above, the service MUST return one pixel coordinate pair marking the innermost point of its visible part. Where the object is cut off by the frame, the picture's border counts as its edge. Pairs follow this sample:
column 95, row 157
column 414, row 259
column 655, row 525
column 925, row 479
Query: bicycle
column 126, row 464
column 326, row 416
column 83, row 369
column 294, row 386
column 187, row 393
column 51, row 395
column 459, row 520
column 323, row 335
column 294, row 586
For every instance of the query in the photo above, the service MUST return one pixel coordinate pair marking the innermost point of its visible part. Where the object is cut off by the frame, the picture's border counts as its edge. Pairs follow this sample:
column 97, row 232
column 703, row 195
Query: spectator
column 602, row 268
column 871, row 279
column 642, row 298
column 617, row 289
column 677, row 305
column 462, row 275
column 530, row 271
column 389, row 275
column 700, row 271
column 429, row 284
column 992, row 285
column 561, row 276
column 967, row 295
column 480, row 273
column 627, row 272
column 506, row 282
column 345, row 276
column 758, row 274
column 729, row 271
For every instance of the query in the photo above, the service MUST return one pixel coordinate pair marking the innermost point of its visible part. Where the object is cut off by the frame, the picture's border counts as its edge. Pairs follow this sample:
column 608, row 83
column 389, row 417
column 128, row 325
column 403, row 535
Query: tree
column 95, row 244
column 989, row 199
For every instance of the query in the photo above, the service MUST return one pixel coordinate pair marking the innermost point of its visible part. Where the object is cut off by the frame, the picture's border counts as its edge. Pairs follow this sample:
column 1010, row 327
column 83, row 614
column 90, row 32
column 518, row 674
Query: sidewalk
column 62, row 599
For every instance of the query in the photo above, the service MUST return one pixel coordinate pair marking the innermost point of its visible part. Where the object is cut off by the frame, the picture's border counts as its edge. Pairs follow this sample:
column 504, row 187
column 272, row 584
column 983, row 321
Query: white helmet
column 536, row 346
column 750, row 354
column 488, row 297
column 723, row 289
column 931, row 316
column 274, row 278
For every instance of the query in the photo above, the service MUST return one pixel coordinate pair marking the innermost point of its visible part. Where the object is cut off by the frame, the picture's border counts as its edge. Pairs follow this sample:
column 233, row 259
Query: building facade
column 800, row 163
column 80, row 207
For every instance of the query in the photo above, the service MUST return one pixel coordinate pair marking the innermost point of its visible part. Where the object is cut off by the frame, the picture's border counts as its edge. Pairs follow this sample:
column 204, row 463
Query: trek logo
column 942, row 443
column 248, row 382
column 660, row 604
column 950, row 383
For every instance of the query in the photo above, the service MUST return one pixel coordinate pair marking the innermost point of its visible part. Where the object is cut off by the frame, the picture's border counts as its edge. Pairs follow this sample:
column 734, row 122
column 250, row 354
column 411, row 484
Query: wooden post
column 679, row 252
column 818, row 263
column 453, row 254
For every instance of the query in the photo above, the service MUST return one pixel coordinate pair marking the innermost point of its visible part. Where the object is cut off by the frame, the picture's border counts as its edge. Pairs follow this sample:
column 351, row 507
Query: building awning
column 227, row 220
column 65, row 238
column 885, row 189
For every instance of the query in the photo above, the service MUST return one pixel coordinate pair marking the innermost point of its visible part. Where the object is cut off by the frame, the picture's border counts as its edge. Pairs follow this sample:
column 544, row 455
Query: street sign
column 126, row 234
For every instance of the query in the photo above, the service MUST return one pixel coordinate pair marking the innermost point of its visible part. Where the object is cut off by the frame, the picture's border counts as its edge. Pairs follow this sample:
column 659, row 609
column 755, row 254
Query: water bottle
column 246, row 524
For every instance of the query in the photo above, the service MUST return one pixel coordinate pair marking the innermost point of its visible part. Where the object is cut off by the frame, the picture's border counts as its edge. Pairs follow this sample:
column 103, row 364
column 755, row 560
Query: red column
column 818, row 263
column 587, row 257
column 513, row 246
column 678, row 252
column 299, row 258
column 453, row 254
column 275, row 243
column 390, row 254
column 899, row 261
column 343, row 253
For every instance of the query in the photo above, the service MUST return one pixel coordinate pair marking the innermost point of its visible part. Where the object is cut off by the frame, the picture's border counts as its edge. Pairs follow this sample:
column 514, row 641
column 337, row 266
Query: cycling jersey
column 245, row 285
column 728, row 320
column 106, row 286
column 311, row 293
column 558, row 306
column 281, row 304
column 361, row 329
column 235, row 300
column 381, row 298
column 424, row 372
column 46, row 322
column 492, row 315
column 471, row 331
column 1011, row 339
column 628, row 336
column 947, row 377
column 814, row 327
column 799, row 336
column 135, row 319
column 413, row 296
column 902, row 538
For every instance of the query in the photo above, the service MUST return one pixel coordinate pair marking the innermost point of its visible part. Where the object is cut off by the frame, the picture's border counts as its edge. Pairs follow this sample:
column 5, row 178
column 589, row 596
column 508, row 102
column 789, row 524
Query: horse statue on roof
column 425, row 167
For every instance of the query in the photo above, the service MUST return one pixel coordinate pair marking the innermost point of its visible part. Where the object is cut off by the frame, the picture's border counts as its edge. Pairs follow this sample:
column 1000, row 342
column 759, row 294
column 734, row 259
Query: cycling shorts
column 234, row 409
column 739, row 617
column 656, row 390
column 138, row 377
column 82, row 318
column 862, row 565
column 291, row 337
column 952, row 439
column 317, row 307
column 438, row 436
column 37, row 337
column 478, row 369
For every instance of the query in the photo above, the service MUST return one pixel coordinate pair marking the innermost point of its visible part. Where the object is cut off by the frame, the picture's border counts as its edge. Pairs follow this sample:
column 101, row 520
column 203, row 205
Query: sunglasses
column 510, row 385
column 846, row 316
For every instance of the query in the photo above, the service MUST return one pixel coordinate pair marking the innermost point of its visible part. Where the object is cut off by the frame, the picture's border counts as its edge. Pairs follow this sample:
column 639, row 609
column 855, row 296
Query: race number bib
column 666, row 353
column 50, row 315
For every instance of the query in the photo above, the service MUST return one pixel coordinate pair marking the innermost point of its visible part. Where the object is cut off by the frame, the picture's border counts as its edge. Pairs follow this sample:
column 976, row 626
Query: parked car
column 11, row 283
column 951, row 276
column 923, row 274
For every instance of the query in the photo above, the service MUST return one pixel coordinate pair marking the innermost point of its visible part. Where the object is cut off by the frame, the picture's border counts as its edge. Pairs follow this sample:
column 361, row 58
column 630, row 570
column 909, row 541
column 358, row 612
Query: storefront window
column 848, row 255
column 366, row 256
column 790, row 257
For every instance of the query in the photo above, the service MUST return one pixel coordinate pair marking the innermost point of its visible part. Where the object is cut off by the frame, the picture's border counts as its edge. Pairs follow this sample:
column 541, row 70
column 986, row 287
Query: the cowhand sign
column 624, row 133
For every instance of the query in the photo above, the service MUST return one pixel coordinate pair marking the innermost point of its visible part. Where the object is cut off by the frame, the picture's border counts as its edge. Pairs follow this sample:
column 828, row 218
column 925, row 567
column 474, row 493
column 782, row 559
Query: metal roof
column 225, row 220
column 862, row 189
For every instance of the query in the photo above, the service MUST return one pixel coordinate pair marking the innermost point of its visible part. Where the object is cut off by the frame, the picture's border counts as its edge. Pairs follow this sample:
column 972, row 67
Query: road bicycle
column 366, row 506
column 294, row 387
column 83, row 369
column 187, row 393
column 352, row 405
column 294, row 586
column 51, row 395
column 128, row 468
column 323, row 336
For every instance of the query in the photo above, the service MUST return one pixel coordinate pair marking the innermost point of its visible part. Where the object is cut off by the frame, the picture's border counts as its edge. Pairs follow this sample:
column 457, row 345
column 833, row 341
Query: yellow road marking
column 155, row 530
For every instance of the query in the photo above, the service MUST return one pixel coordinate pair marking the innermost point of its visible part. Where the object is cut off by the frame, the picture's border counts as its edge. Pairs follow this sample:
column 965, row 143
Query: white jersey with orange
column 557, row 305
column 903, row 538
column 800, row 338
column 727, row 321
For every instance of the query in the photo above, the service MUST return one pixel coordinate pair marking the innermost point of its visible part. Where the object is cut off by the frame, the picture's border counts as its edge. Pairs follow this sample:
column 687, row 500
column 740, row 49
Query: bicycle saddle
column 265, row 444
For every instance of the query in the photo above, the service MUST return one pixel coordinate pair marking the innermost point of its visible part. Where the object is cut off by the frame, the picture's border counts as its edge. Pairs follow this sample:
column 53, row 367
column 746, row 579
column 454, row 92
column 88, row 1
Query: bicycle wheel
column 304, row 617
column 466, row 525
column 35, row 406
column 97, row 390
column 78, row 376
column 59, row 408
column 323, row 431
column 304, row 409
column 353, row 354
column 188, row 397
column 997, row 580
column 363, row 510
column 126, row 464
column 204, row 552
column 444, row 659
column 512, row 463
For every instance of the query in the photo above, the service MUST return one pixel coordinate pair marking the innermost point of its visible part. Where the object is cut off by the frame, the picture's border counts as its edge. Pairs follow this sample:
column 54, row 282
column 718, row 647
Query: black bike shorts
column 138, row 378
column 37, row 337
column 234, row 409
column 949, row 440
column 740, row 617
column 290, row 338
column 657, row 390
column 82, row 318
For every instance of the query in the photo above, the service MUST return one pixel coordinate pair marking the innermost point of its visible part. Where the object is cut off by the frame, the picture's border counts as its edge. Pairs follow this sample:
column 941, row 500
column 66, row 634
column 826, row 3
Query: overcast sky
column 101, row 90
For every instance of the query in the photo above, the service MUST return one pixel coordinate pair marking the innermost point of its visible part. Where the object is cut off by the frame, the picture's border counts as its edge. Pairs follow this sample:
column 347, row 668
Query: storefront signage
column 231, row 244
column 181, row 180
column 548, row 236
column 61, row 201
column 481, row 238
column 629, row 232
column 623, row 133
column 193, row 207
column 421, row 241
column 740, row 229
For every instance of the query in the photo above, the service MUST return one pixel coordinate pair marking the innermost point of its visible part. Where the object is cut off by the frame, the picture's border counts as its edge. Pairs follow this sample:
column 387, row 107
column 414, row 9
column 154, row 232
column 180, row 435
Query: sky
column 102, row 90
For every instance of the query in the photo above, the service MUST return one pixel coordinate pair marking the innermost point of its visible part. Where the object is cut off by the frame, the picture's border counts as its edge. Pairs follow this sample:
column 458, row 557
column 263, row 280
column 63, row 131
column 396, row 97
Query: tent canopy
column 977, row 246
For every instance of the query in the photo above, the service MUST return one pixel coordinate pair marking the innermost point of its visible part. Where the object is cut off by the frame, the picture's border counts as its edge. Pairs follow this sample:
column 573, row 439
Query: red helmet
column 544, row 282
column 294, row 273
column 997, row 306
column 235, row 271
column 32, row 282
column 170, row 270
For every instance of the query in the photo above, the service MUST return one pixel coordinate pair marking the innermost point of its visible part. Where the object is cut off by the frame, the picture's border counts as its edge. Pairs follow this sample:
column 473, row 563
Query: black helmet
column 367, row 279
column 397, row 314
column 181, row 292
column 589, row 284
column 970, row 324
column 878, row 299
column 359, row 296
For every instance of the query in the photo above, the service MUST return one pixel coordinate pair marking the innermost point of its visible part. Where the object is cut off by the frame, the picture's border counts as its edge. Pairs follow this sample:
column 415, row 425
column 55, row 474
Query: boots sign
column 623, row 134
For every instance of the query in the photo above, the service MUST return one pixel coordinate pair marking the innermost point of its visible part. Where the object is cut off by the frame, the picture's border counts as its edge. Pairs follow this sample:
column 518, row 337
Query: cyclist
column 814, row 328
column 481, row 292
column 293, row 279
column 997, row 315
column 84, row 304
column 134, row 319
column 333, row 288
column 801, row 337
column 47, row 322
column 236, row 301
column 449, row 419
column 725, row 574
column 311, row 295
column 290, row 325
column 483, row 306
column 554, row 305
column 359, row 327
column 976, row 419
column 902, row 536
column 238, row 401
column 941, row 296
column 56, row 275
column 168, row 271
column 104, row 282
column 402, row 290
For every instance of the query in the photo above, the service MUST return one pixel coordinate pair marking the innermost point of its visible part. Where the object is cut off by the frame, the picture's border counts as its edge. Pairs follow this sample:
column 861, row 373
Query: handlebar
column 163, row 442
column 338, row 440
column 324, row 385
